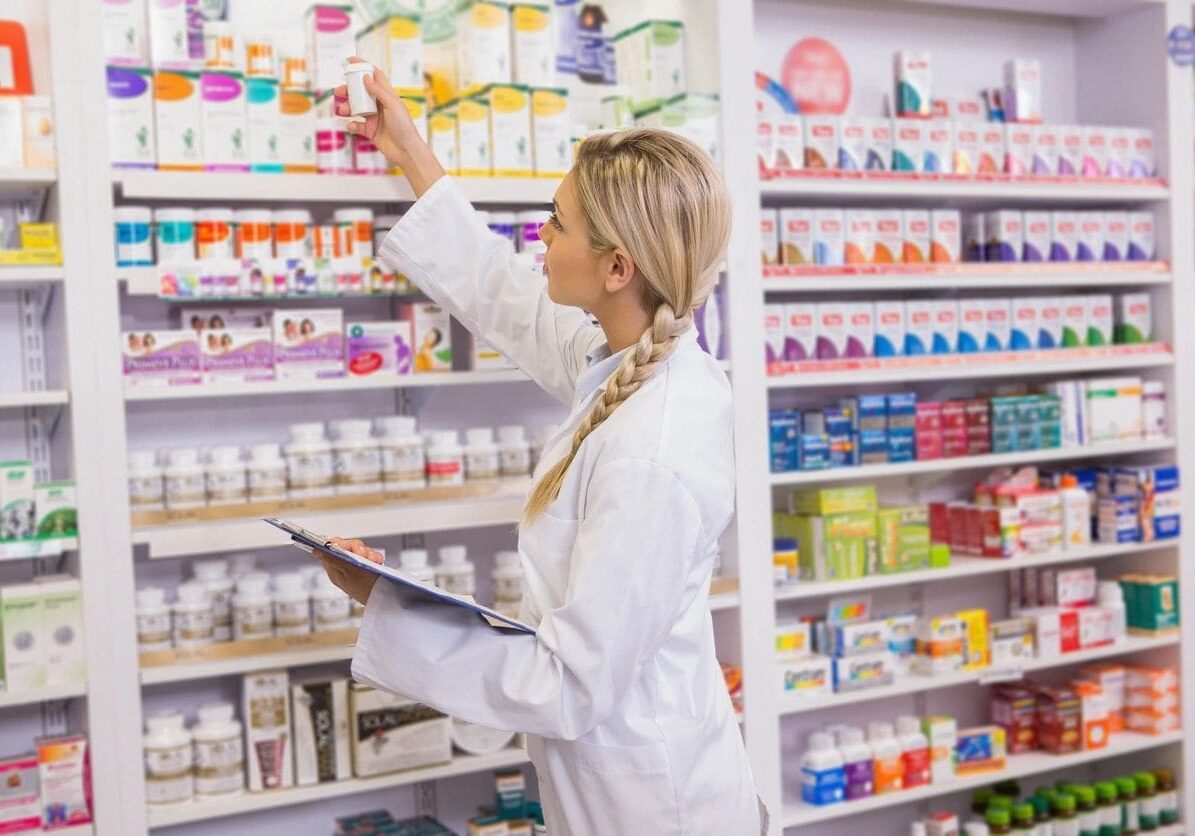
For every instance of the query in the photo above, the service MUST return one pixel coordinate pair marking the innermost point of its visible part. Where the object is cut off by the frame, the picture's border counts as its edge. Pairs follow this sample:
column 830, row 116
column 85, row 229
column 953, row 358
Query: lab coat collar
column 601, row 364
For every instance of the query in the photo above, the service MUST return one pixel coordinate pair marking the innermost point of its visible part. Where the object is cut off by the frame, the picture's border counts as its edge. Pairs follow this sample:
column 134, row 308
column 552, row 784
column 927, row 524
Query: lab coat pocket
column 547, row 547
column 621, row 789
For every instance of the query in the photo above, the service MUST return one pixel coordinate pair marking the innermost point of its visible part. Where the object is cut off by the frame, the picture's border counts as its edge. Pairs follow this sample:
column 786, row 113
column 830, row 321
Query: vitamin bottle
column 1126, row 793
column 167, row 759
column 266, row 472
column 292, row 233
column 1044, row 822
column 240, row 565
column 1167, row 797
column 354, row 231
column 309, row 470
column 361, row 103
column 185, row 486
column 1066, row 819
column 1023, row 819
column 214, row 233
column 914, row 749
column 857, row 762
column 980, row 799
column 456, row 573
column 213, row 574
column 175, row 235
column 1109, row 807
column 514, row 452
column 192, row 616
column 538, row 442
column 506, row 582
column 224, row 476
column 822, row 776
column 134, row 246
column 1147, row 801
column 356, row 458
column 889, row 768
column 1089, row 813
column 153, row 620
column 445, row 459
column 413, row 564
column 219, row 752
column 254, row 234
column 999, row 821
column 147, row 491
column 253, row 607
column 1111, row 599
column 292, row 605
column 404, row 465
column 329, row 605
column 481, row 454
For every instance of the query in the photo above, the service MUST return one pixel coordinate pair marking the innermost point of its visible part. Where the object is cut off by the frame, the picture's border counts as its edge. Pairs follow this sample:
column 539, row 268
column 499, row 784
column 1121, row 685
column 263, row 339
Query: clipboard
column 310, row 541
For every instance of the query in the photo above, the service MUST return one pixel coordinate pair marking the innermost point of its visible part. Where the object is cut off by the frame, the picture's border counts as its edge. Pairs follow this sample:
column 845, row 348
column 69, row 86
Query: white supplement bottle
column 153, row 620
column 240, row 565
column 167, row 759
column 822, row 778
column 213, row 574
column 456, row 573
column 404, row 463
column 506, row 580
column 514, row 452
column 224, row 476
column 185, row 486
column 267, row 473
column 255, row 234
column 175, row 234
column 857, row 761
column 253, row 607
column 538, row 441
column 361, row 103
column 481, row 454
column 413, row 563
column 354, row 230
column 192, row 616
column 356, row 457
column 147, row 491
column 309, row 470
column 219, row 752
column 292, row 605
column 1111, row 599
column 330, row 607
column 445, row 459
column 292, row 233
column 134, row 245
column 214, row 233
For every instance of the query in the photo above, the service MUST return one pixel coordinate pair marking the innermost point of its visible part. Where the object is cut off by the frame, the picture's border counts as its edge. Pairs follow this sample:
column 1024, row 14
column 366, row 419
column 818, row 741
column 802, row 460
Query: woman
column 630, row 726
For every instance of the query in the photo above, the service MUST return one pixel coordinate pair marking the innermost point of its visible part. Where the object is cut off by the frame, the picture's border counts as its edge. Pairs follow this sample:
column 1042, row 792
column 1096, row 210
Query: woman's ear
column 619, row 271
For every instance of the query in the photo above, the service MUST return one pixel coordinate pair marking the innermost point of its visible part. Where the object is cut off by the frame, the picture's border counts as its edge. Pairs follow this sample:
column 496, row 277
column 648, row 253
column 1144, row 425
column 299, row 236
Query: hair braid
column 655, row 345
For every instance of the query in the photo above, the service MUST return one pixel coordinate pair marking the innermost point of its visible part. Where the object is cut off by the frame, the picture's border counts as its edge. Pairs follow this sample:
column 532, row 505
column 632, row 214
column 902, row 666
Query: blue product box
column 1118, row 520
column 902, row 411
column 872, row 446
column 782, row 430
column 813, row 452
column 825, row 786
column 813, row 422
column 901, row 445
column 868, row 412
column 838, row 428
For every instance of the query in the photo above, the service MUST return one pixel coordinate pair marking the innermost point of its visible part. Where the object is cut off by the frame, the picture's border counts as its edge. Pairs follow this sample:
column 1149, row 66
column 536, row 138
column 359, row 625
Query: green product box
column 939, row 556
column 1151, row 603
column 21, row 614
column 57, row 514
column 834, row 500
column 836, row 546
column 16, row 500
column 903, row 538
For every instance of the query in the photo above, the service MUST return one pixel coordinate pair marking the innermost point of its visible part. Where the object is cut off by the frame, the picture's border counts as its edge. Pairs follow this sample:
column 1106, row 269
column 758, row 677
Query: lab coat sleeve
column 627, row 569
column 445, row 248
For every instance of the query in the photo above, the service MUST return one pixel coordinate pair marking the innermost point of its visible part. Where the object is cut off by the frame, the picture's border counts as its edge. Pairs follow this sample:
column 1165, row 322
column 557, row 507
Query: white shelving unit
column 204, row 391
column 1024, row 191
column 25, row 278
column 23, row 400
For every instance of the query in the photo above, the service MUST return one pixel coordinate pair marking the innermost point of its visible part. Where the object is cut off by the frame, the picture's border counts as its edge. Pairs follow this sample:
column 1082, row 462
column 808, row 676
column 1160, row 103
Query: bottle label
column 254, row 621
column 515, row 462
column 219, row 766
column 267, row 482
column 292, row 617
column 168, row 774
column 192, row 627
column 185, row 491
column 888, row 775
column 153, row 628
column 225, row 486
column 860, row 779
column 146, row 492
column 916, row 763
column 309, row 470
column 823, row 786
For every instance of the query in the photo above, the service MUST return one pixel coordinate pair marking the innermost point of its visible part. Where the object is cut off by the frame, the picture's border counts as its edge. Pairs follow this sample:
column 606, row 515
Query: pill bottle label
column 308, row 471
column 515, row 462
column 253, row 621
column 192, row 628
column 359, row 471
column 445, row 472
column 213, row 239
column 219, row 766
column 457, row 583
column 153, row 631
column 146, row 493
column 267, row 483
column 168, row 774
column 481, row 465
column 225, row 486
column 330, row 614
column 185, row 491
column 509, row 589
column 292, row 618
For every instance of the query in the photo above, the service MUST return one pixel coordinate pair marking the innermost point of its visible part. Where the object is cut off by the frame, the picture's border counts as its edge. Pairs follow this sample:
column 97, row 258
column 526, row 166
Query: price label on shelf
column 998, row 675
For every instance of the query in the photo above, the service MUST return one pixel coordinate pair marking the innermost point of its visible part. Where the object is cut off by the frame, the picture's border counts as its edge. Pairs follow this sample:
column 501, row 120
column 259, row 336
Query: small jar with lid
column 506, row 581
column 481, row 454
column 224, row 476
column 153, row 620
column 292, row 233
column 219, row 752
column 192, row 616
column 456, row 573
column 185, row 480
column 330, row 606
column 167, row 742
column 445, row 459
column 292, row 605
column 214, row 237
column 220, row 586
column 266, row 471
column 514, row 452
column 254, row 234
column 175, row 235
column 253, row 607
column 413, row 564
column 404, row 462
column 356, row 457
column 147, row 490
column 309, row 468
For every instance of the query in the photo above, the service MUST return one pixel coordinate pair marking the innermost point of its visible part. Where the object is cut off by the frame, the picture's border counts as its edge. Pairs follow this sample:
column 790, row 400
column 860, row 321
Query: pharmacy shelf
column 988, row 280
column 503, row 506
column 320, row 188
column 799, row 814
column 968, row 567
column 914, row 468
column 193, row 811
column 205, row 391
column 146, row 281
column 923, row 189
column 20, row 400
column 987, row 365
column 1053, row 8
column 724, row 602
column 73, row 830
column 29, row 277
column 921, row 684
column 17, row 183
column 10, row 699
column 46, row 547
column 244, row 664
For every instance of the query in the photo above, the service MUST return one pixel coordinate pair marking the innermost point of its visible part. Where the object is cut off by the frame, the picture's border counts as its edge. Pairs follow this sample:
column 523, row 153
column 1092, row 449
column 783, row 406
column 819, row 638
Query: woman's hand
column 356, row 582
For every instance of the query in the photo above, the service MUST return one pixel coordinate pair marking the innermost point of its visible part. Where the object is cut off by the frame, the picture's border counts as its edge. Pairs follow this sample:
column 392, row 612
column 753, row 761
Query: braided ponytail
column 659, row 198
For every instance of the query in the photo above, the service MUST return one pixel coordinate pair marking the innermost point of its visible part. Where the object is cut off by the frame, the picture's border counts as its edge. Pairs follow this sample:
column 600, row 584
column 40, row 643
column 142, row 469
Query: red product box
column 939, row 523
column 978, row 414
column 1015, row 709
column 929, row 445
column 954, row 443
column 979, row 442
column 929, row 416
column 974, row 530
column 1068, row 633
column 954, row 415
column 991, row 532
column 958, row 528
column 1060, row 720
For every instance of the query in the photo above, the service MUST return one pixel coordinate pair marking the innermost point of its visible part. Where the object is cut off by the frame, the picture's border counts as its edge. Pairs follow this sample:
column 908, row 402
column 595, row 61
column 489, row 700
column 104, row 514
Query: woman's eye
column 554, row 221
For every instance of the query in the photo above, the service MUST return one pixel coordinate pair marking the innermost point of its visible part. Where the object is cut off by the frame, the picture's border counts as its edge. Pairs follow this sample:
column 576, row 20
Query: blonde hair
column 659, row 198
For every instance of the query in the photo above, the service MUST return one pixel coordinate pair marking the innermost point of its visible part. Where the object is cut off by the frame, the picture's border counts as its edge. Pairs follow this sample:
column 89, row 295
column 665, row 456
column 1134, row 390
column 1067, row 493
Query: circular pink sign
column 816, row 76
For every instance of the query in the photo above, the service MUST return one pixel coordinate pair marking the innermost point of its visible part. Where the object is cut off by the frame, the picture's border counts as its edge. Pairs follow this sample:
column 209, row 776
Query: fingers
column 379, row 87
column 341, row 92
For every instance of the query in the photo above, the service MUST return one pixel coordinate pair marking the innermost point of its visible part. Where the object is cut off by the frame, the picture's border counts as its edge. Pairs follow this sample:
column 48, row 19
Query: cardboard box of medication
column 997, row 319
column 395, row 46
column 1005, row 235
column 860, row 236
column 1116, row 236
column 1111, row 680
column 965, row 143
column 329, row 29
column 160, row 358
column 391, row 733
column 441, row 129
column 37, row 118
column 56, row 507
column 321, row 720
column 266, row 710
column 859, row 637
column 919, row 327
column 1011, row 642
column 222, row 101
column 868, row 670
column 378, row 348
column 532, row 48
column 794, row 641
column 852, row 143
column 1070, row 150
column 945, row 236
column 1036, row 242
column 1120, row 152
column 509, row 108
column 1143, row 162
column 1022, row 90
column 939, row 646
column 806, row 678
column 124, row 33
column 980, row 749
column 974, row 239
column 308, row 343
column 651, row 61
column 903, row 538
column 774, row 332
column 889, row 236
column 62, row 629
column 972, row 327
column 1089, row 245
column 1095, row 151
column 263, row 120
column 840, row 545
column 822, row 501
column 550, row 131
column 1141, row 245
column 64, row 775
column 296, row 131
column 889, row 321
column 483, row 48
column 21, row 618
column 20, row 802
column 908, row 145
column 431, row 338
column 168, row 35
column 1045, row 150
column 914, row 83
column 17, row 500
column 484, row 357
column 131, row 142
column 796, row 236
column 938, row 148
column 1064, row 236
column 769, row 234
column 991, row 149
column 1025, row 328
column 237, row 354
column 829, row 236
column 1134, row 318
column 917, row 236
column 800, row 332
column 945, row 326
column 178, row 120
column 879, row 145
column 1018, row 149
column 821, row 141
column 942, row 734
column 473, row 137
column 902, row 641
column 789, row 142
column 831, row 325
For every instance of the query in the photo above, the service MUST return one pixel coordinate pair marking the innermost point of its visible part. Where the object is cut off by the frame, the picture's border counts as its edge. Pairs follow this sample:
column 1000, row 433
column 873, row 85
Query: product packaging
column 878, row 145
column 860, row 236
column 550, row 132
column 56, row 507
column 889, row 321
column 243, row 355
column 160, row 359
column 296, row 131
column 431, row 338
column 937, row 148
column 914, row 83
column 1064, row 236
column 22, row 606
column 917, row 236
column 1018, row 149
column 64, row 779
column 263, row 122
column 829, row 237
column 225, row 129
column 908, row 145
column 321, row 721
column 178, row 120
column 20, row 800
column 394, row 45
column 800, row 332
column 391, row 733
column 796, row 236
column 509, row 109
column 889, row 236
column 821, row 141
column 1134, row 320
column 378, row 348
column 266, row 709
column 980, row 749
column 131, row 140
column 17, row 497
column 1022, row 90
column 852, row 144
column 945, row 326
column 62, row 630
column 650, row 58
column 330, row 41
column 1070, row 150
column 1037, row 230
column 945, row 236
column 308, row 343
column 1141, row 245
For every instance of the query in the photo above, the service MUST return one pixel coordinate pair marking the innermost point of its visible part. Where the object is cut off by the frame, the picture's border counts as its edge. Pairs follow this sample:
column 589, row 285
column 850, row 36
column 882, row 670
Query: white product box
column 1144, row 159
column 321, row 721
column 788, row 142
column 1064, row 236
column 879, row 145
column 974, row 240
column 919, row 326
column 1142, row 240
column 1070, row 150
column 942, row 734
column 945, row 235
column 441, row 130
column 852, row 143
column 57, row 508
column 533, row 50
column 1075, row 587
column 965, row 140
column 432, row 338
column 917, row 236
column 18, row 496
column 160, row 358
column 1095, row 151
column 1025, row 327
column 800, row 331
column 938, row 148
column 860, row 236
column 265, row 708
column 64, row 778
column 650, row 58
column 945, row 312
column 1099, row 319
column 1036, row 245
column 806, row 678
column 1134, row 318
column 1022, row 90
column 1120, row 151
column 62, row 630
column 168, row 34
column 21, row 609
column 829, row 236
column 308, row 343
column 484, row 357
column 130, row 117
column 774, row 332
column 1018, row 149
column 1074, row 320
column 1045, row 150
column 329, row 29
column 889, row 236
column 889, row 328
column 831, row 324
column 1091, row 245
column 997, row 317
column 908, row 145
column 913, row 73
column 123, row 28
column 991, row 148
column 859, row 321
column 391, row 733
column 178, row 120
column 1116, row 236
column 510, row 130
column 821, row 141
column 263, row 120
column 1072, row 399
column 796, row 235
column 1005, row 231
column 473, row 137
column 1095, row 627
column 225, row 146
column 296, row 131
column 395, row 46
column 1113, row 410
column 972, row 325
column 550, row 139
column 769, row 233
column 244, row 355
column 37, row 119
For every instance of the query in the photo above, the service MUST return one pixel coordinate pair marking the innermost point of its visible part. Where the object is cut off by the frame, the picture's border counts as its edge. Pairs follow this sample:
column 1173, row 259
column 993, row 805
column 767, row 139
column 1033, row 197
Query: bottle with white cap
column 224, row 476
column 514, row 452
column 184, row 476
column 889, row 767
column 456, row 573
column 266, row 472
column 292, row 605
column 330, row 606
column 219, row 752
column 213, row 574
column 147, row 491
column 253, row 607
column 153, row 620
column 481, row 454
column 309, row 468
column 822, row 778
column 445, row 459
column 404, row 463
column 167, row 759
column 1111, row 599
column 192, row 616
column 506, row 583
column 914, row 751
column 242, row 564
column 413, row 563
column 857, row 762
column 356, row 457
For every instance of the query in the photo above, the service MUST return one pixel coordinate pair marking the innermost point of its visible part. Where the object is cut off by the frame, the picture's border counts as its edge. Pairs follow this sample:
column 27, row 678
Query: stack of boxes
column 31, row 510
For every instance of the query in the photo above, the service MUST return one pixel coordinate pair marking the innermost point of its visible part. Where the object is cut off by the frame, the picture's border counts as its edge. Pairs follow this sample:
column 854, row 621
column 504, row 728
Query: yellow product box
column 438, row 33
column 38, row 236
column 441, row 135
column 509, row 107
column 550, row 132
column 395, row 46
column 976, row 651
column 483, row 43
column 473, row 137
column 533, row 54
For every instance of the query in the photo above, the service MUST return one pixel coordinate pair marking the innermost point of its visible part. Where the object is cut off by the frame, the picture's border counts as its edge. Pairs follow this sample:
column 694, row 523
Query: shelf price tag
column 998, row 675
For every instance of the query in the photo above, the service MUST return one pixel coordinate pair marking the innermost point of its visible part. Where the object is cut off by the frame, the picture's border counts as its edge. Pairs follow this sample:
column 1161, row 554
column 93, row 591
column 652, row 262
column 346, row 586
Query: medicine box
column 1134, row 320
column 1064, row 236
column 1144, row 161
column 1113, row 409
column 390, row 733
column 62, row 630
column 1070, row 150
column 1018, row 149
column 913, row 83
column 941, row 733
column 769, row 233
column 320, row 710
column 919, row 327
column 908, row 145
column 868, row 670
column 551, row 143
column 508, row 107
column 937, row 147
column 998, row 325
column 21, row 617
column 650, row 58
column 263, row 120
column 431, row 338
column 1037, row 234
column 980, row 749
column 56, row 507
column 1120, row 152
column 225, row 127
column 1024, row 334
column 1091, row 242
column 237, row 354
column 1099, row 319
column 879, row 145
column 917, row 236
column 794, row 640
column 474, row 154
column 800, row 332
column 834, row 546
column 65, row 780
column 860, row 236
column 1095, row 151
column 889, row 320
column 806, row 678
column 821, row 141
column 265, row 697
column 1116, row 236
column 533, row 54
column 17, row 497
column 178, row 120
column 829, row 236
column 378, row 348
column 889, row 236
column 831, row 327
column 296, row 131
column 154, row 359
column 852, row 143
column 859, row 637
column 1074, row 321
column 20, row 802
column 774, row 332
column 991, row 148
column 796, row 236
column 1045, row 150
column 945, row 235
column 1022, row 90
column 330, row 40
column 131, row 138
column 1141, row 246
column 1005, row 235
column 903, row 538
column 972, row 325
column 945, row 326
column 965, row 142
column 308, row 343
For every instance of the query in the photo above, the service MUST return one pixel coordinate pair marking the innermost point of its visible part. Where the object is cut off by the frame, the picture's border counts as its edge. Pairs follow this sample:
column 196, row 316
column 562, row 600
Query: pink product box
column 1018, row 149
column 308, row 344
column 1095, row 151
column 1070, row 150
column 154, row 359
column 378, row 348
column 237, row 354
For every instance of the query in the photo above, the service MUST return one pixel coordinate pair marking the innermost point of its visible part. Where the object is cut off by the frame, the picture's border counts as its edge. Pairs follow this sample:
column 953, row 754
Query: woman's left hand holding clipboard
column 357, row 583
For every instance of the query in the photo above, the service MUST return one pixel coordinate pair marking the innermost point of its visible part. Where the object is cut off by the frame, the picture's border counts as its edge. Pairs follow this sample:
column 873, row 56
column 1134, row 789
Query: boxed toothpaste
column 821, row 141
column 796, row 236
column 937, row 147
column 1036, row 241
column 1099, row 319
column 1064, row 236
column 945, row 236
column 800, row 332
column 889, row 236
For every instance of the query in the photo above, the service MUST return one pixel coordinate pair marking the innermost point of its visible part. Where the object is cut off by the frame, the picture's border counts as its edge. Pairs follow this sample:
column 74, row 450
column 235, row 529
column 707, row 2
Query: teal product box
column 813, row 452
column 1005, row 424
column 264, row 120
column 913, row 76
column 1024, row 332
column 908, row 144
column 782, row 433
column 1028, row 423
column 1049, row 417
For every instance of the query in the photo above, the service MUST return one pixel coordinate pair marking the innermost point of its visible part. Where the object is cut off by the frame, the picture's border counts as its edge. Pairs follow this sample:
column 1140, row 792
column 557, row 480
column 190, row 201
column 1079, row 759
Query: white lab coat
column 629, row 724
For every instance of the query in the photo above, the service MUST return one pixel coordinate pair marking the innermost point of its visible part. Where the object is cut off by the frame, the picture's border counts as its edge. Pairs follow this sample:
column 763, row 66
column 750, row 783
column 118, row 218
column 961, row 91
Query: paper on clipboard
column 309, row 541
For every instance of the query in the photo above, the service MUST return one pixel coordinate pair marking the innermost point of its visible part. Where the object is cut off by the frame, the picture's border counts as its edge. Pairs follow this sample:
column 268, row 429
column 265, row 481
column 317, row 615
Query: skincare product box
column 391, row 733
column 266, row 710
column 321, row 722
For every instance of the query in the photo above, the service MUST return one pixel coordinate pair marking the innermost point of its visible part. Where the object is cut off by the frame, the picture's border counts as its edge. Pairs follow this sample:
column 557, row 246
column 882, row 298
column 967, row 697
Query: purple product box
column 308, row 344
column 378, row 348
column 160, row 359
column 237, row 354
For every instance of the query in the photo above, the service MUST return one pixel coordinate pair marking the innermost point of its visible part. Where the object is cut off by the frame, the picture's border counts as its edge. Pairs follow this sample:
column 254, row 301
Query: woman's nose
column 545, row 233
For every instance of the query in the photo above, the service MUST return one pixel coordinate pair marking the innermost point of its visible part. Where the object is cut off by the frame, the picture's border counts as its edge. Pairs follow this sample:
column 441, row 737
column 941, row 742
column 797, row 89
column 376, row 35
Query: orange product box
column 1093, row 706
column 1111, row 679
column 1145, row 721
